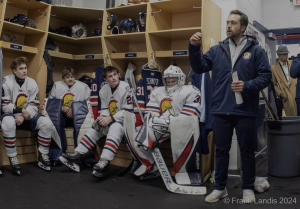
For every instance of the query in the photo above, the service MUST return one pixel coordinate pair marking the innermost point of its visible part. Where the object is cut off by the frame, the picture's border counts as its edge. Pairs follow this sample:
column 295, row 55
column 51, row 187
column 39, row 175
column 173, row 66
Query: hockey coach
column 240, row 69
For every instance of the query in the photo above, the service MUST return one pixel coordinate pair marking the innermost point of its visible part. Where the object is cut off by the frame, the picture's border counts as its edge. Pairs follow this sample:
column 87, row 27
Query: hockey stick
column 128, row 168
column 164, row 172
column 274, row 117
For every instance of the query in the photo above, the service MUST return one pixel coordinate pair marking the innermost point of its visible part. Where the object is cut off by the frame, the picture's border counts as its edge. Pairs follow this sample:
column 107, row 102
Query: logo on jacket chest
column 68, row 99
column 113, row 108
column 247, row 55
column 21, row 101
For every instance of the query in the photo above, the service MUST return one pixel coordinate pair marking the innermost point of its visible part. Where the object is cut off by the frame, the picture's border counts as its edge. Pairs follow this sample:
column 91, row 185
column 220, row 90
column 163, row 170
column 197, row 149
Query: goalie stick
column 163, row 169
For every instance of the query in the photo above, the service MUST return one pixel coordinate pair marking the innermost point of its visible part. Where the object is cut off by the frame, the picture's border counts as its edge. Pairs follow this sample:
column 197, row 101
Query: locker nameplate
column 130, row 55
column 178, row 53
column 14, row 46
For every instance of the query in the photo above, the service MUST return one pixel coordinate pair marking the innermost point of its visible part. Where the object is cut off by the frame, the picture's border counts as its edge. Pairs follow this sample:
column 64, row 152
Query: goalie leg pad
column 186, row 149
column 52, row 109
column 144, row 158
column 83, row 119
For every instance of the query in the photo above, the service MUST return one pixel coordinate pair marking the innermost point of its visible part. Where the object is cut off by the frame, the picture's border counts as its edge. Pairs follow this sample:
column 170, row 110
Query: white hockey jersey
column 78, row 92
column 117, row 103
column 185, row 101
column 22, row 97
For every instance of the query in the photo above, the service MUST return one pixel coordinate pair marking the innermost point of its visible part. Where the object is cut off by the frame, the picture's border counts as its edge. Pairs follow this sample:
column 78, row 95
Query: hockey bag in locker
column 186, row 149
column 52, row 109
column 83, row 119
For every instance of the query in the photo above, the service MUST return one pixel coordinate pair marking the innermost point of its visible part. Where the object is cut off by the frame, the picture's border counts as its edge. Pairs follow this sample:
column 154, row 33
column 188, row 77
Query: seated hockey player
column 69, row 90
column 63, row 94
column 116, row 98
column 20, row 106
column 173, row 110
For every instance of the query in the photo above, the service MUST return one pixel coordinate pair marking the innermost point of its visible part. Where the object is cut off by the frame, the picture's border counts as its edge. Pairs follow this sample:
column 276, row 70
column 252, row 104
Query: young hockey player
column 69, row 90
column 116, row 98
column 173, row 110
column 20, row 107
column 62, row 95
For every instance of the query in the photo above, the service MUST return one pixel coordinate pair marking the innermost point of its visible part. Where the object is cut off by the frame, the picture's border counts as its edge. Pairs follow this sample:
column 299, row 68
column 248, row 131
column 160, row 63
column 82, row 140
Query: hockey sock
column 44, row 126
column 8, row 127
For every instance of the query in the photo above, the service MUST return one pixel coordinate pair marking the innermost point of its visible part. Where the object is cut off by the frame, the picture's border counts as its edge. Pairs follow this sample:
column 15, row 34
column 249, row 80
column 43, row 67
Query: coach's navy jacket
column 252, row 67
column 295, row 73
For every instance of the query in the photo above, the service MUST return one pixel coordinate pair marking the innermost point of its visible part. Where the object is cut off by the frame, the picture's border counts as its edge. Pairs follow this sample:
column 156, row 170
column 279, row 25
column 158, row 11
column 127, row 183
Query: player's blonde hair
column 17, row 62
column 67, row 71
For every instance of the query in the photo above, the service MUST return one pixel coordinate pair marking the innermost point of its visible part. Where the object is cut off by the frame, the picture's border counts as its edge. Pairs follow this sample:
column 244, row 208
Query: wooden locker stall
column 82, row 54
column 30, row 43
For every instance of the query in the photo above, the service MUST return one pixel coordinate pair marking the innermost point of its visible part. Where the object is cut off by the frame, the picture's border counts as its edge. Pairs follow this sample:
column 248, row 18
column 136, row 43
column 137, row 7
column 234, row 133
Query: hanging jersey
column 186, row 101
column 115, row 104
column 98, row 82
column 148, row 81
column 24, row 97
column 78, row 92
column 129, row 75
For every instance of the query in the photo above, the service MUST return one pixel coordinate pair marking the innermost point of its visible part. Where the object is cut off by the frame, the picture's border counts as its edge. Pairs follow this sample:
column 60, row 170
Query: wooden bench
column 27, row 151
column 26, row 148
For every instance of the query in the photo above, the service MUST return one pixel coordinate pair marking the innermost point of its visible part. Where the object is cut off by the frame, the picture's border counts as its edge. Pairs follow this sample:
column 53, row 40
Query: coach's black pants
column 223, row 126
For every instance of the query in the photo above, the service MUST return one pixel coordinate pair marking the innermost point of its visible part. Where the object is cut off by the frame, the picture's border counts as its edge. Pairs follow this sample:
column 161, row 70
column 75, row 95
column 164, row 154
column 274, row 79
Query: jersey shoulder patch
column 194, row 87
column 3, row 80
column 128, row 89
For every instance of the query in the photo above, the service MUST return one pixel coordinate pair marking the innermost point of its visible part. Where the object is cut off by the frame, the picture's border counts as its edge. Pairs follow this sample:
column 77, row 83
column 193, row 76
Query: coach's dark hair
column 109, row 69
column 67, row 72
column 17, row 62
column 244, row 18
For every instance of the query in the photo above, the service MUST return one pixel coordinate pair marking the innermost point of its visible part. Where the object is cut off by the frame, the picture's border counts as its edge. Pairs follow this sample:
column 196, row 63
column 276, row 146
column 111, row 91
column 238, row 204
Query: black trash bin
column 284, row 147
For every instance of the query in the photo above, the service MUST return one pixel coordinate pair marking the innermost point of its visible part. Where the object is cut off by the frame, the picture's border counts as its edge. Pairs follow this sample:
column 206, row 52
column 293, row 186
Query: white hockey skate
column 69, row 161
column 14, row 163
column 44, row 162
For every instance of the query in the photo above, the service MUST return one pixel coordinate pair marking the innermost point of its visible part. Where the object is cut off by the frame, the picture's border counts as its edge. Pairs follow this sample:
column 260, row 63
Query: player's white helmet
column 174, row 71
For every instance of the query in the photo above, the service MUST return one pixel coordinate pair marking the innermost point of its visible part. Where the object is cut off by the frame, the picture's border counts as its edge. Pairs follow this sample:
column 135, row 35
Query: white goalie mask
column 171, row 72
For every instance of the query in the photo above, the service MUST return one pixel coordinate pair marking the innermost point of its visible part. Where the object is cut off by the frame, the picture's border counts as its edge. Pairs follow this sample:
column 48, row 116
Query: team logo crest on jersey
column 94, row 75
column 3, row 80
column 113, row 108
column 247, row 55
column 21, row 101
column 165, row 105
column 140, row 77
column 68, row 99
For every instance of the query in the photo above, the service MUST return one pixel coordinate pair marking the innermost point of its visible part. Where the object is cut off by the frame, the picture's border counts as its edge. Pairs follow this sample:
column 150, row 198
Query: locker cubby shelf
column 20, row 29
column 18, row 48
column 131, row 45
column 130, row 11
column 37, row 11
column 177, row 14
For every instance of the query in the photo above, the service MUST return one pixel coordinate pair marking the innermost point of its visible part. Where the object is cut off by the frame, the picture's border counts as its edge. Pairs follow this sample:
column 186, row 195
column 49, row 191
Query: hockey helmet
column 19, row 19
column 115, row 30
column 127, row 25
column 141, row 22
column 97, row 32
column 112, row 21
column 175, row 71
column 79, row 31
